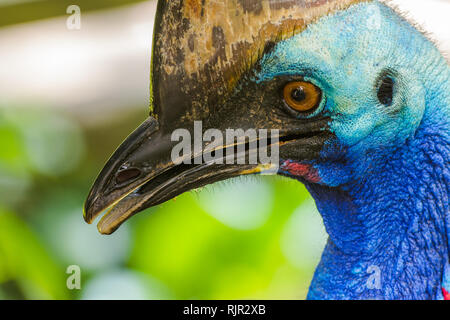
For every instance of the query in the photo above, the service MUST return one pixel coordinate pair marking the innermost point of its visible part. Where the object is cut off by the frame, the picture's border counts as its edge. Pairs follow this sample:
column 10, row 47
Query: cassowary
column 361, row 100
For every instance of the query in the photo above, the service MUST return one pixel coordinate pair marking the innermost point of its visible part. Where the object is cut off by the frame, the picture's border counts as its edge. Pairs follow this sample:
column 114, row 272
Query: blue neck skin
column 389, row 232
column 384, row 180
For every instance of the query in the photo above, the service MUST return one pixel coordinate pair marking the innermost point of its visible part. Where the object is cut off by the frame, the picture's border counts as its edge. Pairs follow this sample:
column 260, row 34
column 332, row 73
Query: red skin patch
column 446, row 294
column 305, row 171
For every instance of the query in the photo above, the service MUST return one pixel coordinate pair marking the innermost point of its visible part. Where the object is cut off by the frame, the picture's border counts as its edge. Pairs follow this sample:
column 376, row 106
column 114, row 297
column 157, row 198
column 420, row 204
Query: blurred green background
column 67, row 99
column 254, row 237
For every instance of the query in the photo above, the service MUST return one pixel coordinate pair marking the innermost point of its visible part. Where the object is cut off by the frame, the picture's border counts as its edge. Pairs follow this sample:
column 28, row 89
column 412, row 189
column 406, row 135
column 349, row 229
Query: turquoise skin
column 385, row 178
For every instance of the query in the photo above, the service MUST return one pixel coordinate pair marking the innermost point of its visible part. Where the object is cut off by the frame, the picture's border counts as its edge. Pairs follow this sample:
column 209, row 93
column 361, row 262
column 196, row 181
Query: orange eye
column 302, row 96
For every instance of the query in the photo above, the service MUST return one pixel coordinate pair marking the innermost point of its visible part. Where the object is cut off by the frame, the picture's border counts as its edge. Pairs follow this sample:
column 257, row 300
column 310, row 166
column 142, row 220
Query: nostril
column 127, row 175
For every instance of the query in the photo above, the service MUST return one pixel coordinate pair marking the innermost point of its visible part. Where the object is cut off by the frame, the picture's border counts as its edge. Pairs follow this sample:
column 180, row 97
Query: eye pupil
column 386, row 91
column 302, row 96
column 298, row 94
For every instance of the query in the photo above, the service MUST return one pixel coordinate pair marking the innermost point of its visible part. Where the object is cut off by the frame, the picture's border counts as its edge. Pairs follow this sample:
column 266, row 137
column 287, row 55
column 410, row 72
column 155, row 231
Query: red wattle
column 446, row 294
column 303, row 170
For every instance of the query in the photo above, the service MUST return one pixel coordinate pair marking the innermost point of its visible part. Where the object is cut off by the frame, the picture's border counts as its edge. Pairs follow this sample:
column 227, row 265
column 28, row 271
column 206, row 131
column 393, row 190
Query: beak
column 141, row 174
column 190, row 75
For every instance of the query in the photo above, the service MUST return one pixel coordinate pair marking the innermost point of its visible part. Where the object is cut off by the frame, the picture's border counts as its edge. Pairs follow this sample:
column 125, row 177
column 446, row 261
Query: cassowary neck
column 388, row 231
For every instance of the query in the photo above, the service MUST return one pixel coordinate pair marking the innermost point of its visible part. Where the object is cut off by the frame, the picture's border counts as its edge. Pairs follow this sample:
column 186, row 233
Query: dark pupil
column 386, row 91
column 298, row 94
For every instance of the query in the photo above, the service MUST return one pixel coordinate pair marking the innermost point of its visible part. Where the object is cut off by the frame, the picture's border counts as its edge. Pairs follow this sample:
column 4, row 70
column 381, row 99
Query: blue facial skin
column 385, row 178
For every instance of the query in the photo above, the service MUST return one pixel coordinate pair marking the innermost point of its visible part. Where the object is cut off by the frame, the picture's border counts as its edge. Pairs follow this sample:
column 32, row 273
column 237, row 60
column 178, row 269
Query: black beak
column 192, row 80
column 141, row 174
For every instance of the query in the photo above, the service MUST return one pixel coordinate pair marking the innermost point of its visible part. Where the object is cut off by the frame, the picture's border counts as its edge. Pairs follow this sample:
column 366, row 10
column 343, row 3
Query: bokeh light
column 241, row 203
column 124, row 285
column 76, row 243
column 304, row 236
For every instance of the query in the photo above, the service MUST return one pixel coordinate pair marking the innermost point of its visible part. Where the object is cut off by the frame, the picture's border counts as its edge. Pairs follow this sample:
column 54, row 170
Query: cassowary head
column 346, row 83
